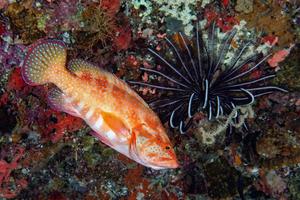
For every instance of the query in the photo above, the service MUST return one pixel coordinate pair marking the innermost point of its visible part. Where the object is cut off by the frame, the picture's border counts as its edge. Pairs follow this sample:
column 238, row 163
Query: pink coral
column 279, row 56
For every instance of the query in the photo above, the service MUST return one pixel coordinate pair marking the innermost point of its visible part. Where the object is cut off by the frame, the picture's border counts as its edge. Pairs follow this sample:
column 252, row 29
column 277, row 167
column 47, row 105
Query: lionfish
column 197, row 78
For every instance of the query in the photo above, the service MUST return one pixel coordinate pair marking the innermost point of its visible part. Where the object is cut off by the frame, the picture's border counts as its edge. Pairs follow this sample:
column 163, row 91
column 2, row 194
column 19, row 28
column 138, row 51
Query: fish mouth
column 162, row 164
column 157, row 165
column 172, row 164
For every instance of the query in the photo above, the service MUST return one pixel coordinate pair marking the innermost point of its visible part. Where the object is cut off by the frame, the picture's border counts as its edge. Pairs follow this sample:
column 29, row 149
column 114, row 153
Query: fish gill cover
column 47, row 154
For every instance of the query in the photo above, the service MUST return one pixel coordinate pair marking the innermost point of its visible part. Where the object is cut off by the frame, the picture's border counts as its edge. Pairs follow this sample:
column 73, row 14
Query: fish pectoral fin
column 132, row 144
column 115, row 123
column 59, row 101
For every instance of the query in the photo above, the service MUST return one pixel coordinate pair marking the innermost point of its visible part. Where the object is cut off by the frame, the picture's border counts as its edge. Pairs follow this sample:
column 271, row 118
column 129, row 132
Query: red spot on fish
column 118, row 93
column 101, row 83
column 86, row 77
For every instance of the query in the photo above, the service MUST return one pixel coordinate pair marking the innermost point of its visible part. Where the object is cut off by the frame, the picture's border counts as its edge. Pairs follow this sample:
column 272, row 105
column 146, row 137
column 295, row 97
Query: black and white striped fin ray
column 165, row 76
column 175, row 69
column 190, row 58
column 180, row 60
column 211, row 49
column 235, row 70
column 249, row 70
column 200, row 51
column 224, row 48
column 243, row 83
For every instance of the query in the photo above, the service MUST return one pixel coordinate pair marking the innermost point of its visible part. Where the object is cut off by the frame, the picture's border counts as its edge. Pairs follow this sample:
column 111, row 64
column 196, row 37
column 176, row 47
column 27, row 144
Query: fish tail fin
column 42, row 59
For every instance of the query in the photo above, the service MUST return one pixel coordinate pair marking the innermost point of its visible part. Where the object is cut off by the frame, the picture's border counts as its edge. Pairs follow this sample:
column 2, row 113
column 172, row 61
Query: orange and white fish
column 119, row 117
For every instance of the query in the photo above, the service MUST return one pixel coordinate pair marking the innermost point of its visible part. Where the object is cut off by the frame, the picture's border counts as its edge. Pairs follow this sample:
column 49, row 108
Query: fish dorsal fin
column 115, row 123
column 59, row 101
column 87, row 70
column 80, row 67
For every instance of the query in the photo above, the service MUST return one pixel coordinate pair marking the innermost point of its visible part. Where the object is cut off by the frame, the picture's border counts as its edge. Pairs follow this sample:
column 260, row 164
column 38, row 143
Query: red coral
column 53, row 124
column 223, row 21
column 256, row 74
column 110, row 6
column 64, row 123
column 5, row 172
column 123, row 39
column 225, row 3
column 15, row 81
column 270, row 39
column 226, row 23
column 3, row 99
column 2, row 29
column 210, row 15
column 132, row 61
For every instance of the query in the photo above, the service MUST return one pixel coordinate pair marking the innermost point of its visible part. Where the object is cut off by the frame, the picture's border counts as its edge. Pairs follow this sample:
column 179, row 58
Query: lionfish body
column 117, row 115
column 197, row 79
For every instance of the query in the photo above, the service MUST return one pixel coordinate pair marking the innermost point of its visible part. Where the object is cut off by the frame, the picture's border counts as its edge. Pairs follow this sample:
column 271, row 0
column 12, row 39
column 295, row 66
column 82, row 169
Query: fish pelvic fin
column 42, row 59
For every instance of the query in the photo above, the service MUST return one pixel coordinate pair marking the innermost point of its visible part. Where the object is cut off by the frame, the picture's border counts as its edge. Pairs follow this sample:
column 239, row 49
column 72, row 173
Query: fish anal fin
column 60, row 102
column 101, row 137
column 115, row 123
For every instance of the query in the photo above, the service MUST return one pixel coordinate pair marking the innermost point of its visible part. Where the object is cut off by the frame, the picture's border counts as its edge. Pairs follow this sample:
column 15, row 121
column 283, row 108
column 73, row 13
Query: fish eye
column 167, row 147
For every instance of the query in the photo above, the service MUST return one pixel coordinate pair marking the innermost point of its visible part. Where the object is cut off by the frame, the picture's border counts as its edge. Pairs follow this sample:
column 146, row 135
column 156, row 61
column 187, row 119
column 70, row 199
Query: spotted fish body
column 118, row 116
